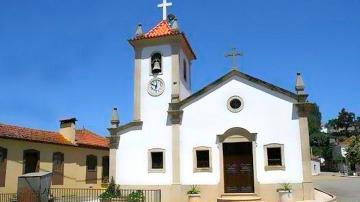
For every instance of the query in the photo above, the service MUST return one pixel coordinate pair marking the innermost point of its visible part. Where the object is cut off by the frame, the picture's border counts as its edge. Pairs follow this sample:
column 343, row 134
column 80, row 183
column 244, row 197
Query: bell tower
column 163, row 58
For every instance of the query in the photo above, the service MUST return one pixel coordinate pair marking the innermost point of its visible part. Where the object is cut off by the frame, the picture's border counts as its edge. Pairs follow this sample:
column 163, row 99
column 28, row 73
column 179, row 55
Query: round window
column 235, row 104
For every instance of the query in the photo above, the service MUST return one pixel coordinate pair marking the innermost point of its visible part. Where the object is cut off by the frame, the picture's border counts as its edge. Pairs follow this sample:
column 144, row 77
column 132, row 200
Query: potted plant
column 194, row 194
column 285, row 193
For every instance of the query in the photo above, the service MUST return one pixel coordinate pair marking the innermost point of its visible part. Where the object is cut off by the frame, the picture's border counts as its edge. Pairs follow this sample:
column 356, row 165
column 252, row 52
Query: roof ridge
column 28, row 128
column 91, row 132
column 245, row 76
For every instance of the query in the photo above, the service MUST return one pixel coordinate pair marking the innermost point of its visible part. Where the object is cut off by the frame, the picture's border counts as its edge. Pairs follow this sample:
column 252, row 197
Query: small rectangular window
column 157, row 161
column 203, row 158
column 274, row 156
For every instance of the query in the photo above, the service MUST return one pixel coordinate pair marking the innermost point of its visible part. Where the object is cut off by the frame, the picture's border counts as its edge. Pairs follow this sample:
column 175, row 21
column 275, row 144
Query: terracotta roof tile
column 83, row 137
column 160, row 30
column 86, row 137
column 163, row 29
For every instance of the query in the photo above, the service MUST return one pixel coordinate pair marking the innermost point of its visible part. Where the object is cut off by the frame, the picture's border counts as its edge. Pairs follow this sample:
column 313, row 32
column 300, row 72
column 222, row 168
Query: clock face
column 156, row 87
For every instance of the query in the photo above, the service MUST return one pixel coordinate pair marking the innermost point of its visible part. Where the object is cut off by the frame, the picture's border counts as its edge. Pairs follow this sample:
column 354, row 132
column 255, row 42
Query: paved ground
column 346, row 189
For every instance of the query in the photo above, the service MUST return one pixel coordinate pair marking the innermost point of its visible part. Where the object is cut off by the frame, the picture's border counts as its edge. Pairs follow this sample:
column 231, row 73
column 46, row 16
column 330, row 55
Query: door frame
column 249, row 152
column 234, row 135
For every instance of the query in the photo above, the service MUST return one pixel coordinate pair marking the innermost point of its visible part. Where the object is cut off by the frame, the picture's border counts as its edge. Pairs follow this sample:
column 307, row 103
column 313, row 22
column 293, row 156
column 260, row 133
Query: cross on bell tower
column 234, row 54
column 164, row 6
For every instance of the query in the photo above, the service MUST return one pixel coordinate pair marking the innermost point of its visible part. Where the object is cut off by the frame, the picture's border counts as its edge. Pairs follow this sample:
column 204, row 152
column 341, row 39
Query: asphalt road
column 346, row 189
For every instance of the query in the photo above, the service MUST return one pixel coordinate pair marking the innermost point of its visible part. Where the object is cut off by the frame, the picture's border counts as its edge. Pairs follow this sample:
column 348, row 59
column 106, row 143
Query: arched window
column 31, row 161
column 156, row 63
column 3, row 160
column 58, row 168
column 91, row 169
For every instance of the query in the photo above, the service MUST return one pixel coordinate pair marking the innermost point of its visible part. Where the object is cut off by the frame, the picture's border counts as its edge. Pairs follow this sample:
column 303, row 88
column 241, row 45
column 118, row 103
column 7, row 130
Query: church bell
column 156, row 67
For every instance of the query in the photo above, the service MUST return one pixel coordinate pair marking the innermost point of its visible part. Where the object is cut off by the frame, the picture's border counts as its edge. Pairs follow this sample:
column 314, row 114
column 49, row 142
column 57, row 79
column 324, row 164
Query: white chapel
column 237, row 137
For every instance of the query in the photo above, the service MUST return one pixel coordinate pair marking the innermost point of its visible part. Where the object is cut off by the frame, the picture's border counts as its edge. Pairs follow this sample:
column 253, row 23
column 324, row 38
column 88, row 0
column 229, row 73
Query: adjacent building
column 78, row 158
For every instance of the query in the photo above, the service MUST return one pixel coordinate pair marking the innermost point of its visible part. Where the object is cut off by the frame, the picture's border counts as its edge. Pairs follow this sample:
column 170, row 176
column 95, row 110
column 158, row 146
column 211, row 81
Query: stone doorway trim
column 236, row 134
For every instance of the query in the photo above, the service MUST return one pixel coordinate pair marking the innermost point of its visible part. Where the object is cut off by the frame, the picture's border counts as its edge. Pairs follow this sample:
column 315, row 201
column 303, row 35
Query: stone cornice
column 304, row 108
column 174, row 113
column 134, row 125
column 116, row 132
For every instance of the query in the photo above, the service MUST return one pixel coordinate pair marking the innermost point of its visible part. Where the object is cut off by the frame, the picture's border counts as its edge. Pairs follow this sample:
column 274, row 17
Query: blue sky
column 63, row 58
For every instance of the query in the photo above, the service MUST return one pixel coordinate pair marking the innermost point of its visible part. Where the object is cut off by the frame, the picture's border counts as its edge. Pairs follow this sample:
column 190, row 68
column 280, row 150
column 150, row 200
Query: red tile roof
column 163, row 29
column 86, row 137
column 160, row 30
column 83, row 138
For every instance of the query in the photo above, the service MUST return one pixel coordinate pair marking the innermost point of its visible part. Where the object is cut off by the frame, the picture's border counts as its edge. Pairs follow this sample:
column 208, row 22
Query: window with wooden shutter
column 58, row 169
column 91, row 169
column 31, row 161
column 3, row 160
column 105, row 169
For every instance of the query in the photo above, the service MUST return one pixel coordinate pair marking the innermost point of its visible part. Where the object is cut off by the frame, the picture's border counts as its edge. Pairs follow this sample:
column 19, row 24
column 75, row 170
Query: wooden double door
column 238, row 167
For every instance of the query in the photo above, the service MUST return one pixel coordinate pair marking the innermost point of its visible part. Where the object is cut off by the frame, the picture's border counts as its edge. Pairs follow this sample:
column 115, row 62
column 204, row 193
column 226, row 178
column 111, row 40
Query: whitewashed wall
column 132, row 155
column 271, row 117
column 185, row 90
column 265, row 114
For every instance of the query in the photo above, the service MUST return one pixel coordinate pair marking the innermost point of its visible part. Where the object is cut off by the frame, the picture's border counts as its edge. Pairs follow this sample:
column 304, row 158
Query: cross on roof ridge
column 234, row 54
column 164, row 6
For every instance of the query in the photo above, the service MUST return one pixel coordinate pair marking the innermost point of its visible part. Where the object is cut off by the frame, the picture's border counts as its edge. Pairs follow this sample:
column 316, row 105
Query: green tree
column 318, row 141
column 314, row 120
column 342, row 123
column 357, row 127
column 345, row 120
column 353, row 151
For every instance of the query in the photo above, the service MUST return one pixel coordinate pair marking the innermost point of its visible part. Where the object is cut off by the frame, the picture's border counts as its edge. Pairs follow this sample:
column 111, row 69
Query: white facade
column 267, row 113
column 177, row 121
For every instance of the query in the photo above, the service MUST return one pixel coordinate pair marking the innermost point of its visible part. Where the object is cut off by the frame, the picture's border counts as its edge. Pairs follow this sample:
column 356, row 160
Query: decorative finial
column 139, row 31
column 164, row 6
column 234, row 54
column 300, row 89
column 300, row 85
column 175, row 25
column 115, row 121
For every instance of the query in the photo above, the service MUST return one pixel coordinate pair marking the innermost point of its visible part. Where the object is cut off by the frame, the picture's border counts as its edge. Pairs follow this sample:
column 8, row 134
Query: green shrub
column 137, row 196
column 113, row 191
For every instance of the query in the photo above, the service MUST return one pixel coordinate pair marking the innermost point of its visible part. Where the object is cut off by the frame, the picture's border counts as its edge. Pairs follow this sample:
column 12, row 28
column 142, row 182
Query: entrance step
column 239, row 198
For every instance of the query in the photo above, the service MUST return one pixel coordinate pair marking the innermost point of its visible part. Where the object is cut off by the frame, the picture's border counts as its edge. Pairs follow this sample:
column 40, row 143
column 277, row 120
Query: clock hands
column 156, row 87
